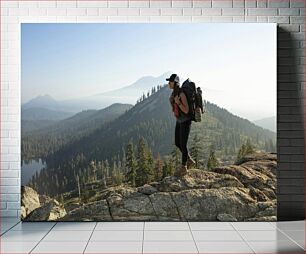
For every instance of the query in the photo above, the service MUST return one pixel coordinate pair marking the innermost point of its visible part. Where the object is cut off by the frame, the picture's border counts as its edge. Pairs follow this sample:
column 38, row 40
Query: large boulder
column 164, row 206
column 129, row 203
column 257, row 170
column 50, row 211
column 29, row 201
column 94, row 211
column 206, row 204
column 35, row 207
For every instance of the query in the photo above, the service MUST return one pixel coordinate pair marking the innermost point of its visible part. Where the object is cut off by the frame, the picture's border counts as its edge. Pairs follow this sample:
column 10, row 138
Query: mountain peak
column 45, row 97
column 42, row 101
column 140, row 86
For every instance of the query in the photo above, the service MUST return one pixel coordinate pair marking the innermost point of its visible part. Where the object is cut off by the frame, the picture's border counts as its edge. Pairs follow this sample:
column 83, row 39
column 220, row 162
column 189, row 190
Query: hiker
column 180, row 108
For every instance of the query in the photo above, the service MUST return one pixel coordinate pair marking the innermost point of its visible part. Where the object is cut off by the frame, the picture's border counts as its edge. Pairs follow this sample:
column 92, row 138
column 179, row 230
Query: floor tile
column 276, row 247
column 211, row 226
column 69, row 236
column 60, row 247
column 22, row 236
column 74, row 226
column 290, row 225
column 297, row 236
column 101, row 236
column 216, row 236
column 273, row 235
column 31, row 226
column 3, row 230
column 7, row 225
column 166, row 226
column 258, row 225
column 119, row 226
column 301, row 243
column 9, row 220
column 169, row 247
column 223, row 247
column 17, row 247
column 168, row 236
column 114, row 247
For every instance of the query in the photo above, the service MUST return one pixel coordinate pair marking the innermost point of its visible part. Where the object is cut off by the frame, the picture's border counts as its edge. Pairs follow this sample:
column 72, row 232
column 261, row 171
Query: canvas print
column 148, row 122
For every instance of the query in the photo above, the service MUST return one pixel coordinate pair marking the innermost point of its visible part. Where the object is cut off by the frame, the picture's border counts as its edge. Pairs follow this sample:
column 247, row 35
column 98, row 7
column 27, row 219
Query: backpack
column 194, row 99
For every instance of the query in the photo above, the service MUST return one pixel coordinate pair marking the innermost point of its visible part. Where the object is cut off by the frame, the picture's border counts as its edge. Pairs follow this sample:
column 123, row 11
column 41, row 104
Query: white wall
column 289, row 14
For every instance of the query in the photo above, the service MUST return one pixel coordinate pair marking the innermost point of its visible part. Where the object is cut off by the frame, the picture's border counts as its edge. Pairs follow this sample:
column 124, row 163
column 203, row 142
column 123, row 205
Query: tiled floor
column 152, row 237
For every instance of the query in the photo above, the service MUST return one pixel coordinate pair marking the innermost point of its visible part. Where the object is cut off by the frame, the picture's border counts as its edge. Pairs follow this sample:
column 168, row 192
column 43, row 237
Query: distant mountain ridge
column 152, row 118
column 267, row 123
column 43, row 114
column 126, row 95
column 60, row 133
column 36, row 118
column 42, row 101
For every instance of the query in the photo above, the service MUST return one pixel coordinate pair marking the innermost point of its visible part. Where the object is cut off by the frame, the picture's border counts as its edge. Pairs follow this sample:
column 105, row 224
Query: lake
column 28, row 169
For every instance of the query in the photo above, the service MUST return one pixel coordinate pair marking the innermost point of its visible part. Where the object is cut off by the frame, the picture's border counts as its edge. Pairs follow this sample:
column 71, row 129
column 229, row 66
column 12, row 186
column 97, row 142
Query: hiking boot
column 181, row 171
column 190, row 162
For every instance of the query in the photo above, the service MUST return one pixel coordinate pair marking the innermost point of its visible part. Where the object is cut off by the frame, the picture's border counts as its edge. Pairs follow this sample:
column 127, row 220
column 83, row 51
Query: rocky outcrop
column 29, row 201
column 242, row 192
column 35, row 207
column 51, row 211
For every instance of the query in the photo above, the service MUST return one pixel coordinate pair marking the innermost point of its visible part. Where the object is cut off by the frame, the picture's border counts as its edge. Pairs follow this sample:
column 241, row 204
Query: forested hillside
column 140, row 139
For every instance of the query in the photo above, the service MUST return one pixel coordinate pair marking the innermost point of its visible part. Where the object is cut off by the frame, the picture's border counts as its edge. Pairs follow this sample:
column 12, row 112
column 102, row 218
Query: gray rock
column 147, row 189
column 43, row 199
column 226, row 217
column 205, row 205
column 258, row 156
column 257, row 194
column 29, row 201
column 95, row 211
column 164, row 206
column 50, row 211
column 267, row 218
column 131, row 205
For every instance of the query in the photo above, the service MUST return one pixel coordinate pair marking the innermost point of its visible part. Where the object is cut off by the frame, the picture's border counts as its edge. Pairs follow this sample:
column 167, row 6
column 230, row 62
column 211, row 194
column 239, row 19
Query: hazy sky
column 235, row 64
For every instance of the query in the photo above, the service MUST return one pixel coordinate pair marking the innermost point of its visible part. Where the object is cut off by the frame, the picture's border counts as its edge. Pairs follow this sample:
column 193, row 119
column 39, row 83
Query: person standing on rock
column 179, row 103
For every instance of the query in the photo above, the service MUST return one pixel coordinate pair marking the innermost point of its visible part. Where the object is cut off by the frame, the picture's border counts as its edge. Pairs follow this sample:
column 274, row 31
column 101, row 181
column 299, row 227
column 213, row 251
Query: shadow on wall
column 290, row 129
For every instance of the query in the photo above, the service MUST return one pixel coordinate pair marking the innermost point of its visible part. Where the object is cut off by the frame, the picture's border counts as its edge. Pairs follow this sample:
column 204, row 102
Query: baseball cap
column 173, row 77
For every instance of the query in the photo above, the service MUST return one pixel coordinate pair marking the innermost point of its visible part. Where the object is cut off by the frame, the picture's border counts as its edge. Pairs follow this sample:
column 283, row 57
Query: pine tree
column 131, row 164
column 123, row 162
column 93, row 169
column 142, row 168
column 212, row 160
column 78, row 184
column 244, row 150
column 195, row 150
column 150, row 166
column 116, row 174
column 175, row 157
column 106, row 168
column 249, row 147
column 103, row 174
column 170, row 167
column 241, row 152
column 158, row 168
column 99, row 170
